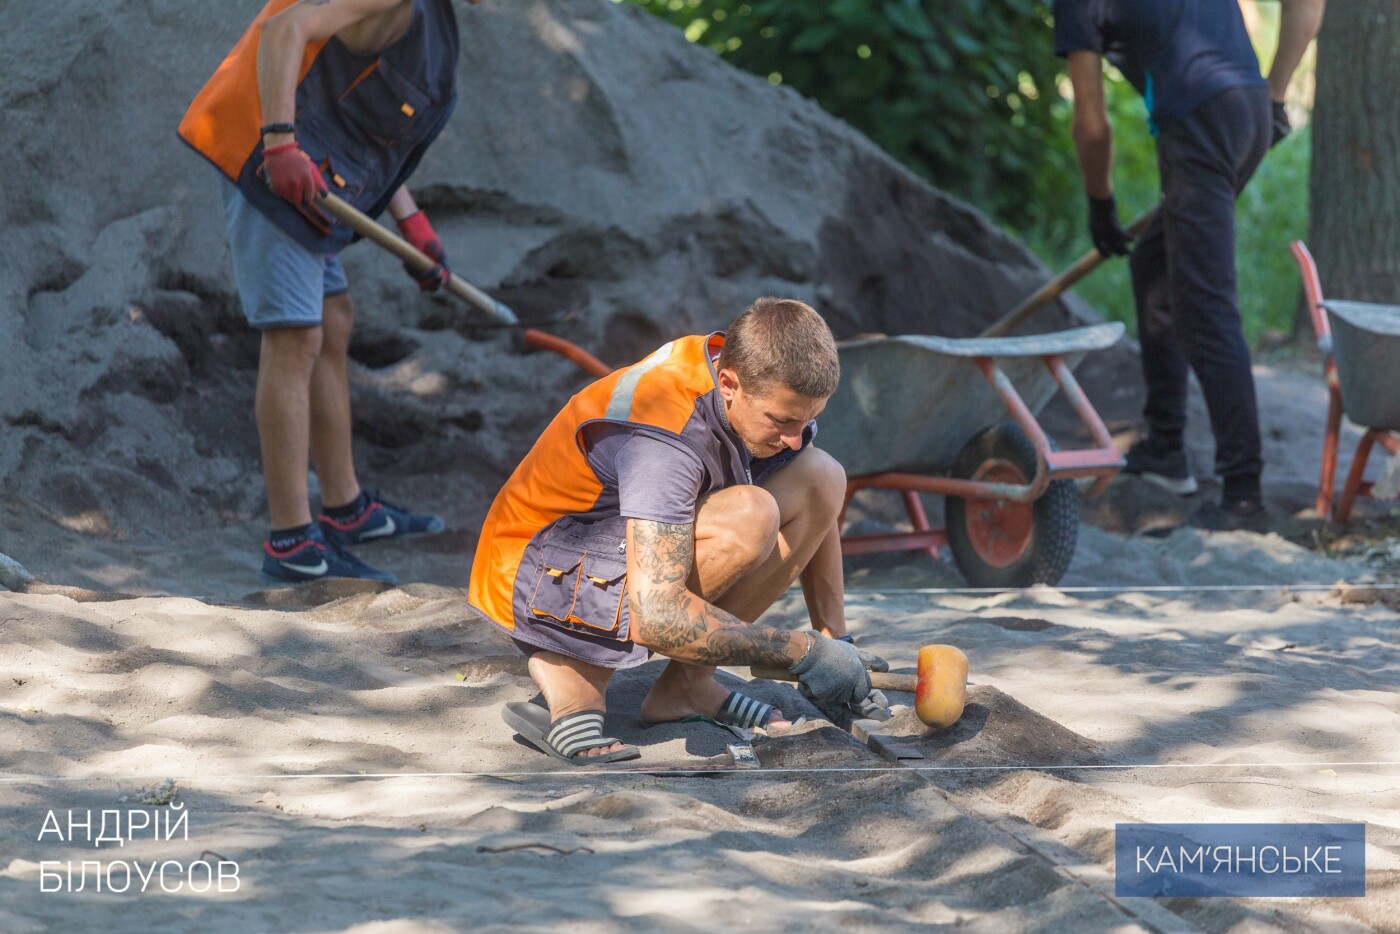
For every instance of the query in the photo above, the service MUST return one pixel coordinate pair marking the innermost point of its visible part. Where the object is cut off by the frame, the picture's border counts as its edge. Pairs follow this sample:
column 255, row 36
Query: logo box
column 1240, row 860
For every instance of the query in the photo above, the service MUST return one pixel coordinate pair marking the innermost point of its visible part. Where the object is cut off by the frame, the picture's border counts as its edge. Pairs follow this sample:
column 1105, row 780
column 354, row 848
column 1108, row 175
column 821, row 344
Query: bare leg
column 282, row 409
column 330, row 405
column 570, row 686
column 750, row 545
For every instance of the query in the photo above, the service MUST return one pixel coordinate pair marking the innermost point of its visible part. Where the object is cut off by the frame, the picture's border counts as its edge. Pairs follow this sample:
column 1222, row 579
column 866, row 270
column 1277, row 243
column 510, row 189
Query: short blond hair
column 782, row 342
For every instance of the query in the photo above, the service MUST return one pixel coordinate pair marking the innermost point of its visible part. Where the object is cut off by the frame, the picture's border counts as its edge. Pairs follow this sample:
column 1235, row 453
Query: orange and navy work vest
column 552, row 548
column 365, row 120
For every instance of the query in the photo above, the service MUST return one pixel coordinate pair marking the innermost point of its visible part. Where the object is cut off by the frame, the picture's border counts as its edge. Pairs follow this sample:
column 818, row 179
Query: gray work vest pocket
column 581, row 586
column 387, row 106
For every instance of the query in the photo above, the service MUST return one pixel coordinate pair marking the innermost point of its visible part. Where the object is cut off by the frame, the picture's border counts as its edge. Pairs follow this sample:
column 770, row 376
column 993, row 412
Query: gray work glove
column 833, row 676
column 870, row 660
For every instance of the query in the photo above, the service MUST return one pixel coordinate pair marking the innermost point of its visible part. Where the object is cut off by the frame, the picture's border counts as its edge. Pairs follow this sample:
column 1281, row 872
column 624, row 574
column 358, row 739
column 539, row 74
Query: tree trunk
column 1355, row 185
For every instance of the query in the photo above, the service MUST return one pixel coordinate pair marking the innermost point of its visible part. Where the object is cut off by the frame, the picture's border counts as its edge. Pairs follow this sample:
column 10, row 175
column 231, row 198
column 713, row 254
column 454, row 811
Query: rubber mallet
column 939, row 689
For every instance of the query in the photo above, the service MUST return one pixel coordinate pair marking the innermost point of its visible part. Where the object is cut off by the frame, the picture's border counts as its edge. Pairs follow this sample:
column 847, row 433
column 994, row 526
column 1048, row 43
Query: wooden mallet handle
column 881, row 680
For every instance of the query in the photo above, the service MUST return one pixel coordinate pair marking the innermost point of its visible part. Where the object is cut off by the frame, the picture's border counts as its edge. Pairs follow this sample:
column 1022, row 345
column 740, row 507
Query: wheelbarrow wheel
column 997, row 543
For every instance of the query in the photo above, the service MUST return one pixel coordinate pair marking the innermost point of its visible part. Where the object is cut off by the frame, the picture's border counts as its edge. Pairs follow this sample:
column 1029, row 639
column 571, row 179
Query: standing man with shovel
column 321, row 95
column 1213, row 116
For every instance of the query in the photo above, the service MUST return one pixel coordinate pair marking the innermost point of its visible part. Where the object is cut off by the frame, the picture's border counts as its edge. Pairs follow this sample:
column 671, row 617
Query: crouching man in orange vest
column 664, row 510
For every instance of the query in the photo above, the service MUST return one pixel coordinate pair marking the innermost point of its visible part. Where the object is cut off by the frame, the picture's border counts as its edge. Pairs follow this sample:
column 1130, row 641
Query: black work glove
column 1282, row 127
column 833, row 676
column 1109, row 237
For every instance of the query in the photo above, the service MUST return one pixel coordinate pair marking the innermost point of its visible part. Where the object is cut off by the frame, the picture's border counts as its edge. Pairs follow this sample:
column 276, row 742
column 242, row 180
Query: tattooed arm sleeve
column 668, row 618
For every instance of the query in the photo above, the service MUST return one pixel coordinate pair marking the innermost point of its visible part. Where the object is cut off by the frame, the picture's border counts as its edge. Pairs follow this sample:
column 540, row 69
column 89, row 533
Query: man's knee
column 291, row 349
column 741, row 521
column 337, row 323
column 823, row 480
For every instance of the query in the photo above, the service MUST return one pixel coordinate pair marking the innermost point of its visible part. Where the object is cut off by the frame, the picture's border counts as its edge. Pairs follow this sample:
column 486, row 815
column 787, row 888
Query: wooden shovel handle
column 370, row 229
column 1060, row 284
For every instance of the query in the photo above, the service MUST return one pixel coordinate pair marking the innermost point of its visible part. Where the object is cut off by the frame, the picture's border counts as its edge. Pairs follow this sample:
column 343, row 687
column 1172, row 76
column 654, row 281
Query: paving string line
column 1032, row 592
column 589, row 773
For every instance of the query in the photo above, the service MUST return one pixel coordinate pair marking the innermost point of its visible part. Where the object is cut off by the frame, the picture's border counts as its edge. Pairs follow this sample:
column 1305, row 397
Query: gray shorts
column 281, row 283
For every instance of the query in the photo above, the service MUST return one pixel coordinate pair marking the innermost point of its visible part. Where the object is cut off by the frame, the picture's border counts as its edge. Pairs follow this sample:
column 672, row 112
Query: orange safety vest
column 222, row 123
column 545, row 552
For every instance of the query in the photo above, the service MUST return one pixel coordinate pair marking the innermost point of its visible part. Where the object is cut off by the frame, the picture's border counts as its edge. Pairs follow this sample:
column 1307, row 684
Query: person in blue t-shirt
column 1214, row 116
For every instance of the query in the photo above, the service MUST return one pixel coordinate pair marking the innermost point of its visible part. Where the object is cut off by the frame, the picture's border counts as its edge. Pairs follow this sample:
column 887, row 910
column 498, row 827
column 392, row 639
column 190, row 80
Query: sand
column 1207, row 704
column 341, row 743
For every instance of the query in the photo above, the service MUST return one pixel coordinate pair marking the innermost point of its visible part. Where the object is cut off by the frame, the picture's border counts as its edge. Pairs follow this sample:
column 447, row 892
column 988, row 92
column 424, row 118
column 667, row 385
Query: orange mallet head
column 941, row 689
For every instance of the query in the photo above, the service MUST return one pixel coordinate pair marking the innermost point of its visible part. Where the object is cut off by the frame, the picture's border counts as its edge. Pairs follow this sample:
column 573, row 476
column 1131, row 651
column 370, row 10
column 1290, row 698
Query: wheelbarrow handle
column 369, row 228
column 1062, row 283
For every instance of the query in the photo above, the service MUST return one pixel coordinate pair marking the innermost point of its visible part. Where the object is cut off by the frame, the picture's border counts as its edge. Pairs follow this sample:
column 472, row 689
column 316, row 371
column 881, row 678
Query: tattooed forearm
column 663, row 617
column 745, row 645
column 672, row 620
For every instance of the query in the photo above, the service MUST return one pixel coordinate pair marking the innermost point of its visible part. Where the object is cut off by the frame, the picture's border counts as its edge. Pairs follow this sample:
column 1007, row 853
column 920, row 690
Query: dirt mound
column 996, row 730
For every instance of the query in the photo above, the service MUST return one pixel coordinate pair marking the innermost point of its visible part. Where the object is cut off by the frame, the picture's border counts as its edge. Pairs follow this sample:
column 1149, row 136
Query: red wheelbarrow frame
column 1101, row 462
column 1355, row 484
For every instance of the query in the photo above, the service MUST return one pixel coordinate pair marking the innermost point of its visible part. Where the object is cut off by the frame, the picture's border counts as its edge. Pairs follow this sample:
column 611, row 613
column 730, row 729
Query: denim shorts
column 281, row 283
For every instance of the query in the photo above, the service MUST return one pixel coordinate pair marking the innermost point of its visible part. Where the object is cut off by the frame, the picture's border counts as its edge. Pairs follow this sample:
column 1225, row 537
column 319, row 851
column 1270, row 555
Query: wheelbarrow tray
column 909, row 403
column 1366, row 341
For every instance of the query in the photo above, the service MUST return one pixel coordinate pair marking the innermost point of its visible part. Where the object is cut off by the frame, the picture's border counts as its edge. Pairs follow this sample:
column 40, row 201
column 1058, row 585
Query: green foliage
column 955, row 89
column 1273, row 212
column 967, row 93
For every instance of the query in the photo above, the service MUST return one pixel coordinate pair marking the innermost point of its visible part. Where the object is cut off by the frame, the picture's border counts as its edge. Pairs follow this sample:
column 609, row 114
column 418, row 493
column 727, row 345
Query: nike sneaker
column 380, row 519
column 317, row 559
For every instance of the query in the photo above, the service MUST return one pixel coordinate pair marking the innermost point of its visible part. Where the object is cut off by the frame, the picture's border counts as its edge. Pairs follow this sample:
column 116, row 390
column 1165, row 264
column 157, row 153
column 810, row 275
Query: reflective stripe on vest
column 620, row 404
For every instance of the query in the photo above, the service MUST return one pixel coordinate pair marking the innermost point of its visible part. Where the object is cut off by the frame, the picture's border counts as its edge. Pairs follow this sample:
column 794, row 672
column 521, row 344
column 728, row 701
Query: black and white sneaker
column 1171, row 471
column 314, row 558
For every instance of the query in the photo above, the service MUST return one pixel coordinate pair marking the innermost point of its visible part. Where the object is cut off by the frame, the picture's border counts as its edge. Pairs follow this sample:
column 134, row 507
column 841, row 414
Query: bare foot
column 689, row 691
column 600, row 750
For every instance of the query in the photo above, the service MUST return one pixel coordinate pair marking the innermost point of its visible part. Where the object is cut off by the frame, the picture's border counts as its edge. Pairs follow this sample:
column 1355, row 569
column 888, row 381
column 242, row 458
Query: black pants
column 1183, row 271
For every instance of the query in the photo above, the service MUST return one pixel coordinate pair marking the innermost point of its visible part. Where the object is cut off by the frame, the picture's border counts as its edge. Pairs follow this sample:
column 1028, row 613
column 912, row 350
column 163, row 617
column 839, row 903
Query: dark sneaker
column 1241, row 515
column 1171, row 471
column 316, row 559
column 380, row 519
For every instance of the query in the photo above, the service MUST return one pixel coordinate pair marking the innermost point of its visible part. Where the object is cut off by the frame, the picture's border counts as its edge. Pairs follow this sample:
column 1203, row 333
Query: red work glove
column 292, row 175
column 420, row 234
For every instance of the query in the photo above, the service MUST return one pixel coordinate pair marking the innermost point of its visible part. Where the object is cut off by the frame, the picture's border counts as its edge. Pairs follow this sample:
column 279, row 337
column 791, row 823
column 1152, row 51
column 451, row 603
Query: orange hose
column 581, row 358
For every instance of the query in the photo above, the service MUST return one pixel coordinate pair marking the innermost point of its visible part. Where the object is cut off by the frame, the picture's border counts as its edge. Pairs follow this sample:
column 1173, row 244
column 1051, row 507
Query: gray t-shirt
column 651, row 475
column 658, row 478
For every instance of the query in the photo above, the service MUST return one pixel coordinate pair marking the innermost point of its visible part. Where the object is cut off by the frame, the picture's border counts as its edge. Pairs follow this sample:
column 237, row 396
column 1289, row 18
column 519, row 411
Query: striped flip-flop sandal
column 744, row 712
column 568, row 737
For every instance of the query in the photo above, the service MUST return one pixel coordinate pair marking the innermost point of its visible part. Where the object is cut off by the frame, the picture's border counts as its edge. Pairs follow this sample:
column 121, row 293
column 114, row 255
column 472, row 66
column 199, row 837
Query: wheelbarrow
column 922, row 414
column 1360, row 347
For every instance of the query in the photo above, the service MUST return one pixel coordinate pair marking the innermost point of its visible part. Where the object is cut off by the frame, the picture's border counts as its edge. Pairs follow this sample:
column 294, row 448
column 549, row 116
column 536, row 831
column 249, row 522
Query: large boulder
column 597, row 164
